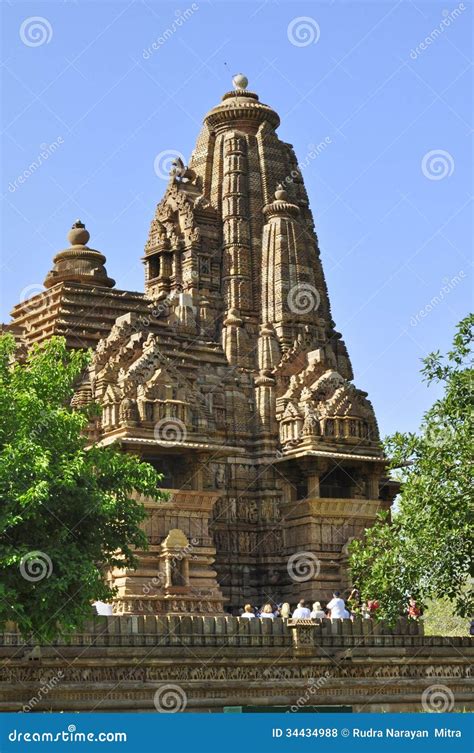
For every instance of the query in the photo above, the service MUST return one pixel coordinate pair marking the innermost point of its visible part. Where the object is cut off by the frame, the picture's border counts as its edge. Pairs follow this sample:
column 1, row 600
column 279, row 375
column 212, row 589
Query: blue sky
column 387, row 86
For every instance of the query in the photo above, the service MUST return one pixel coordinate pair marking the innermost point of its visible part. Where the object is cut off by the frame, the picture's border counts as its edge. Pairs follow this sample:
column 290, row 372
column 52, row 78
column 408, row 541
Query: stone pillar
column 313, row 485
column 373, row 487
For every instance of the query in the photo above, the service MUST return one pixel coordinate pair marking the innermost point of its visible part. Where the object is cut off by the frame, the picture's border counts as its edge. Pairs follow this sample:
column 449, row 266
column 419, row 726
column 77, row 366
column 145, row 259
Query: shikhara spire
column 229, row 376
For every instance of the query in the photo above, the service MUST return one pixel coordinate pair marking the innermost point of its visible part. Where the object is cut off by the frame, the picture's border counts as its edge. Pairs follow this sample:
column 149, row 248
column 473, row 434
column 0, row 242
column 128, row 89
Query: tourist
column 267, row 612
column 337, row 607
column 248, row 612
column 414, row 611
column 354, row 597
column 317, row 612
column 301, row 612
column 353, row 601
column 372, row 605
column 285, row 610
column 365, row 611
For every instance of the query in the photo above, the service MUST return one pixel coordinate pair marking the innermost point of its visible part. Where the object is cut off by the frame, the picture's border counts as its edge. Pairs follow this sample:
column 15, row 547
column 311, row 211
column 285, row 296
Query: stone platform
column 209, row 663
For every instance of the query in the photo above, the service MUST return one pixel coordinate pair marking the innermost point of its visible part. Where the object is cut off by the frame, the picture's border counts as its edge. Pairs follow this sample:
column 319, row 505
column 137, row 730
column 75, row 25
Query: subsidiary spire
column 79, row 263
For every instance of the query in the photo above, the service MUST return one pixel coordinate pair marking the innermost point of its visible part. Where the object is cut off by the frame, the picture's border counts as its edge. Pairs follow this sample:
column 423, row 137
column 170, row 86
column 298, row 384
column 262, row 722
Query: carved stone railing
column 121, row 663
column 233, row 632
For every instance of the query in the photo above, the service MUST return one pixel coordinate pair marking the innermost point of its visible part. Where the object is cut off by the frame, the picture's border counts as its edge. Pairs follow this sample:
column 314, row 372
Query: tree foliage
column 427, row 548
column 67, row 511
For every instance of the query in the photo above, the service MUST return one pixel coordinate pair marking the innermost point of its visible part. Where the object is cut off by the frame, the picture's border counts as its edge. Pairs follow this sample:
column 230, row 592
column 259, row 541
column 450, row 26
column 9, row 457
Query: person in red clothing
column 372, row 606
column 414, row 611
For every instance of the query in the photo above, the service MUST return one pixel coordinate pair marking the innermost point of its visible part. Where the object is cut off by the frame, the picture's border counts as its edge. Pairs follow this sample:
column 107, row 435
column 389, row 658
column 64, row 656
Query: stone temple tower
column 229, row 376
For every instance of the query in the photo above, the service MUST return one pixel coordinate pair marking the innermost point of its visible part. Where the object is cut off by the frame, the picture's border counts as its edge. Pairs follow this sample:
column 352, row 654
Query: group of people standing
column 335, row 609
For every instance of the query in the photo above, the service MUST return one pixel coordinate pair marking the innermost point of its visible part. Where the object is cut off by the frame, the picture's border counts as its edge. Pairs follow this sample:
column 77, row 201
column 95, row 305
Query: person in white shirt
column 337, row 607
column 267, row 611
column 301, row 612
column 248, row 612
column 317, row 613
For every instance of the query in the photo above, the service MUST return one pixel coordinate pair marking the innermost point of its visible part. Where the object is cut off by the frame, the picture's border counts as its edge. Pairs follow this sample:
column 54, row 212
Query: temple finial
column 78, row 235
column 240, row 81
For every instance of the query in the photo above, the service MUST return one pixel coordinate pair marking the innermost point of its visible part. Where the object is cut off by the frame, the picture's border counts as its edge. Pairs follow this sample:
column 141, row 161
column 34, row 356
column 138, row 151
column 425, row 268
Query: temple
column 228, row 375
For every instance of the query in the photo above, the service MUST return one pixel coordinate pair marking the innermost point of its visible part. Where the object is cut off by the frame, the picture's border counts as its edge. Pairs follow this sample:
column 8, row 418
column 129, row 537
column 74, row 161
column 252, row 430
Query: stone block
column 346, row 627
column 186, row 628
column 267, row 632
column 244, row 631
column 173, row 623
column 232, row 631
column 209, row 631
column 162, row 634
column 255, row 632
column 197, row 630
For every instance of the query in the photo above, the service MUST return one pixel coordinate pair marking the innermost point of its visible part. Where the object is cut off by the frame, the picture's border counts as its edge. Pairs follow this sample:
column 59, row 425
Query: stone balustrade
column 234, row 632
column 121, row 663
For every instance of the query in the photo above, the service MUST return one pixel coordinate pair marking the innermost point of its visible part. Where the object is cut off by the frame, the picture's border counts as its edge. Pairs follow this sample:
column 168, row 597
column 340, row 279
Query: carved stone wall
column 120, row 664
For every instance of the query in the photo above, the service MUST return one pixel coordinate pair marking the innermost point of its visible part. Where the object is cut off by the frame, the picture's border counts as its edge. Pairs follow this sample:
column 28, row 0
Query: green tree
column 67, row 510
column 440, row 619
column 426, row 550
